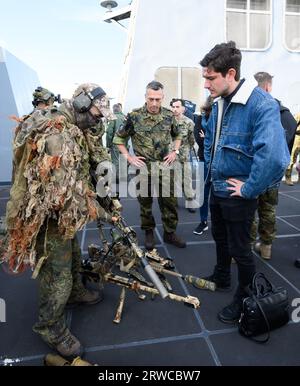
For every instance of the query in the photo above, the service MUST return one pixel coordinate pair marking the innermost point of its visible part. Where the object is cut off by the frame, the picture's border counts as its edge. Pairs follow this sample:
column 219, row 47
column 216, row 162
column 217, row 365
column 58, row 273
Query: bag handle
column 255, row 283
column 266, row 321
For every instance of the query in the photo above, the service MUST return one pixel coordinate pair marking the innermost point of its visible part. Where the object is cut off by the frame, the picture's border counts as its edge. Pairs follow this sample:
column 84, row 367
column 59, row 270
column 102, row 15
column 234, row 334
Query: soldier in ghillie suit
column 42, row 99
column 151, row 129
column 185, row 126
column 51, row 199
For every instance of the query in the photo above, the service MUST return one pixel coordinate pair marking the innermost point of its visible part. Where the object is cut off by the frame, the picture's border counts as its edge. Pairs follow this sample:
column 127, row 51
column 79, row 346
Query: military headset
column 83, row 102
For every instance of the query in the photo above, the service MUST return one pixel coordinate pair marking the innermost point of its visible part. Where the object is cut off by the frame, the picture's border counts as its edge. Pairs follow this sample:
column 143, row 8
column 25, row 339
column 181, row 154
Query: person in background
column 294, row 154
column 199, row 134
column 185, row 126
column 267, row 201
column 112, row 128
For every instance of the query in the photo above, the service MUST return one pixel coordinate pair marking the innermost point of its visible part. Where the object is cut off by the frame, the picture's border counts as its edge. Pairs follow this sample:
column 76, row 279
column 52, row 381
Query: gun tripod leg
column 118, row 316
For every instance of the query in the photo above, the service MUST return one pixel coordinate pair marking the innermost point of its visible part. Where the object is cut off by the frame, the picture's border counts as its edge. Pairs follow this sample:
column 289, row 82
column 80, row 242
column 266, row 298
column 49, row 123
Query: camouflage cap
column 41, row 94
column 97, row 97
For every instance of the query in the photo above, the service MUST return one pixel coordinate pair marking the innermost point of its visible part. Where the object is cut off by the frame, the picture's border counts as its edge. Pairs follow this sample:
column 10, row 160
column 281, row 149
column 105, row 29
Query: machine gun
column 124, row 254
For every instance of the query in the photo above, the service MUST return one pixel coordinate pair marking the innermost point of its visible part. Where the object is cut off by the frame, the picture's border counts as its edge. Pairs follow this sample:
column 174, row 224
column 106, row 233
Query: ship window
column 248, row 23
column 292, row 25
column 181, row 82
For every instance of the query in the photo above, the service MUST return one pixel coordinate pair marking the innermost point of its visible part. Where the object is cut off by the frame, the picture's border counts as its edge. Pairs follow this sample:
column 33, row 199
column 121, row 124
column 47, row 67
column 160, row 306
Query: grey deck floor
column 162, row 332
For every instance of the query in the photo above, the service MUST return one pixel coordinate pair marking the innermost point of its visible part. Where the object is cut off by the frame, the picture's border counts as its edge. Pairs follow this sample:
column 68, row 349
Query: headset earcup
column 82, row 103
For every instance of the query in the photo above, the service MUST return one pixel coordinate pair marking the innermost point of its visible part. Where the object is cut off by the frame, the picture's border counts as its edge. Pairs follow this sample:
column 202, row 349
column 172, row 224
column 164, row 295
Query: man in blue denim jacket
column 246, row 153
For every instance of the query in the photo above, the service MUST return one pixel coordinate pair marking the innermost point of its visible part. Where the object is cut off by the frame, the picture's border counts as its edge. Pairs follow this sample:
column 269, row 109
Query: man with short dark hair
column 242, row 132
column 112, row 128
column 151, row 129
column 185, row 126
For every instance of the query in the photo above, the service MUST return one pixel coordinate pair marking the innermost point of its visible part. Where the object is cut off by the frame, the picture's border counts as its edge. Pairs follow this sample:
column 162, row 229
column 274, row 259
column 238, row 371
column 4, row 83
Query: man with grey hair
column 268, row 200
column 151, row 129
column 264, row 80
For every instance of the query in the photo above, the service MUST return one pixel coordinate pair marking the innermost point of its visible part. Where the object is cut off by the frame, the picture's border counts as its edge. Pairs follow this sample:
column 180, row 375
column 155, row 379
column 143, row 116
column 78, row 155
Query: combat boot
column 149, row 239
column 265, row 251
column 172, row 238
column 288, row 180
column 87, row 297
column 297, row 263
column 68, row 346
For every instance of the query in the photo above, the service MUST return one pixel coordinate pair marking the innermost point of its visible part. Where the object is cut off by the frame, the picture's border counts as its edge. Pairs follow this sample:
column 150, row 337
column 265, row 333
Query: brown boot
column 88, row 297
column 149, row 239
column 265, row 251
column 68, row 346
column 172, row 238
column 288, row 180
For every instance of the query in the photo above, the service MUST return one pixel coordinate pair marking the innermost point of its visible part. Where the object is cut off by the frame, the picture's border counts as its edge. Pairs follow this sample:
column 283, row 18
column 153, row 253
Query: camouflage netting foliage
column 51, row 181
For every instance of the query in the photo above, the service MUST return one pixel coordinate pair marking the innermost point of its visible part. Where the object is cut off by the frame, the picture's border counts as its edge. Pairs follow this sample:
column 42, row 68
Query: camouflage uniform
column 266, row 209
column 295, row 152
column 185, row 126
column 152, row 136
column 112, row 128
column 58, row 280
column 52, row 198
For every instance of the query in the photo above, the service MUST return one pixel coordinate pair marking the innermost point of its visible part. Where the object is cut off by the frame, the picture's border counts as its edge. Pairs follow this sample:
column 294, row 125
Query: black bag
column 265, row 309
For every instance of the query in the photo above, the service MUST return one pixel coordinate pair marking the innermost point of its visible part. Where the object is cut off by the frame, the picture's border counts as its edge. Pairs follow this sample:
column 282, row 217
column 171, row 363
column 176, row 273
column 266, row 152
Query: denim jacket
column 252, row 145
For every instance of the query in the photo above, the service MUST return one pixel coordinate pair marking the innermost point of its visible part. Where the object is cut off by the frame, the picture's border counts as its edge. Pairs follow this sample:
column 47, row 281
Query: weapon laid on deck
column 123, row 253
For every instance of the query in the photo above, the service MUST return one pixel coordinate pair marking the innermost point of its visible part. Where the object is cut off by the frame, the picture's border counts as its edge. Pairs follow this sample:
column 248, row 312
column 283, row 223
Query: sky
column 65, row 42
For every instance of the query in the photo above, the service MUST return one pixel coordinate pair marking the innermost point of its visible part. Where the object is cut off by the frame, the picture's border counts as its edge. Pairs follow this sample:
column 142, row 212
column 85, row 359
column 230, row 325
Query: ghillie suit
column 52, row 181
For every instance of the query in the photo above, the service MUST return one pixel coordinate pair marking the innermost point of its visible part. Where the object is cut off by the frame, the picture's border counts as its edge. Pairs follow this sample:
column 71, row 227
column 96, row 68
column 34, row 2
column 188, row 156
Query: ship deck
column 163, row 332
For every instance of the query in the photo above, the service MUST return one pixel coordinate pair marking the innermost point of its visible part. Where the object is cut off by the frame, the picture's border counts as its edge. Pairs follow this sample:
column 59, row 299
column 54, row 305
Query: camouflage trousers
column 162, row 185
column 58, row 280
column 266, row 224
column 294, row 155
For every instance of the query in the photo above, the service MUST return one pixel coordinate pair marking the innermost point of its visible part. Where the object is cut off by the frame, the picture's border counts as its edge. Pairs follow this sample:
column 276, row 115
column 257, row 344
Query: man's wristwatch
column 176, row 151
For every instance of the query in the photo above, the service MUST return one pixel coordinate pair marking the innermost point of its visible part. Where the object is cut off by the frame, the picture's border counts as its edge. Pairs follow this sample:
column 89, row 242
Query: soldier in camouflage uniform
column 294, row 154
column 51, row 199
column 267, row 202
column 185, row 126
column 112, row 128
column 266, row 224
column 151, row 129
